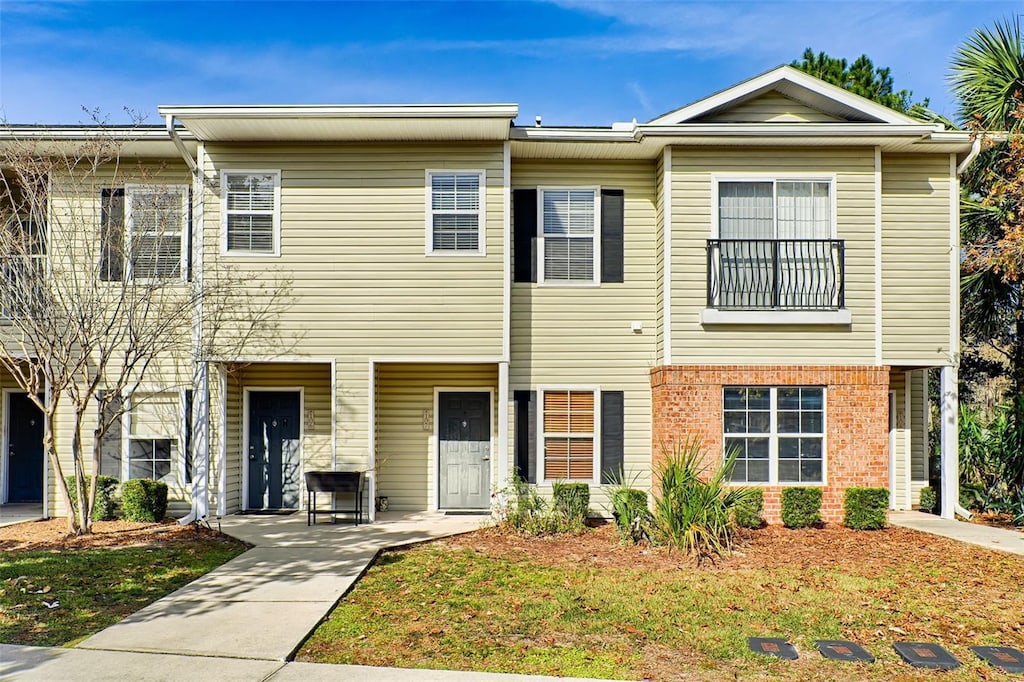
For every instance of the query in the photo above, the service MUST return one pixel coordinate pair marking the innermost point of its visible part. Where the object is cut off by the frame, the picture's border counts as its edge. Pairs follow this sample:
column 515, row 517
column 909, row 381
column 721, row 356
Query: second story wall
column 353, row 243
column 916, row 271
column 694, row 209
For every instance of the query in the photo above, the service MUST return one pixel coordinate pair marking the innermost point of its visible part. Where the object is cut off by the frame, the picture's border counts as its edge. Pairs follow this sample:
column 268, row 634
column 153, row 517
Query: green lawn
column 97, row 587
column 546, row 607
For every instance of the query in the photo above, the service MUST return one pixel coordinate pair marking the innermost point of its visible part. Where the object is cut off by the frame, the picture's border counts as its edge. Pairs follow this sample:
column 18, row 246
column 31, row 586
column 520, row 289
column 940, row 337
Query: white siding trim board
column 666, row 294
column 506, row 231
column 878, row 256
column 907, row 432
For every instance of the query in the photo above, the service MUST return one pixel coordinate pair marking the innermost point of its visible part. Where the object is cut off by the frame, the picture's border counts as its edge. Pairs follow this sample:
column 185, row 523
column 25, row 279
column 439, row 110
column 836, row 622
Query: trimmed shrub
column 143, row 499
column 631, row 514
column 527, row 512
column 748, row 513
column 865, row 508
column 801, row 507
column 929, row 500
column 106, row 486
column 571, row 500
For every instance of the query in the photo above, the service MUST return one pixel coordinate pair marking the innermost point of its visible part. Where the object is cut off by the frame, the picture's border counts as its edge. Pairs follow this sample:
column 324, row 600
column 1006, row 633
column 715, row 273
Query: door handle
column 486, row 459
column 10, row 451
column 252, row 453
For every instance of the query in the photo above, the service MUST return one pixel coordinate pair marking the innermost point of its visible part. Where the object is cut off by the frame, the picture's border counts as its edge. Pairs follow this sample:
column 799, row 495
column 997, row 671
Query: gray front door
column 273, row 456
column 24, row 450
column 464, row 441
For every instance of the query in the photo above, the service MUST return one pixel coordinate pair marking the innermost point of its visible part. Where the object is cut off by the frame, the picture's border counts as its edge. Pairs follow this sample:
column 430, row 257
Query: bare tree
column 98, row 294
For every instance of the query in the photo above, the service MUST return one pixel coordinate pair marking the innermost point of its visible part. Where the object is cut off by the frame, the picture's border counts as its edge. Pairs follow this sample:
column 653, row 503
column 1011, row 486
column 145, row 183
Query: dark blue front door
column 24, row 450
column 273, row 457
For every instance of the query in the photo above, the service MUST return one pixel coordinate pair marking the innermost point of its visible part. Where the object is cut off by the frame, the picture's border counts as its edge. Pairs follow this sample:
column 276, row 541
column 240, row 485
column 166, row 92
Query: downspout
column 961, row 167
column 200, row 416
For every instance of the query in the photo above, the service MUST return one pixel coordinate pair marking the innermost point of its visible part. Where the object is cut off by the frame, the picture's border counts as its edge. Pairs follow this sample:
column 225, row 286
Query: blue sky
column 576, row 62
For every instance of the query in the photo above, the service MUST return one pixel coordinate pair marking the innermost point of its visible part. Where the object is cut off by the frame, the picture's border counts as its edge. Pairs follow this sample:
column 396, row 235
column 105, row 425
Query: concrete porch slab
column 999, row 539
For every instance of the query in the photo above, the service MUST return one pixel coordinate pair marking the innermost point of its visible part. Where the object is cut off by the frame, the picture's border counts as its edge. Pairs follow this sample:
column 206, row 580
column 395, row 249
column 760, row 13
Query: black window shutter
column 112, row 235
column 526, row 435
column 612, row 436
column 612, row 235
column 188, row 239
column 189, row 455
column 524, row 240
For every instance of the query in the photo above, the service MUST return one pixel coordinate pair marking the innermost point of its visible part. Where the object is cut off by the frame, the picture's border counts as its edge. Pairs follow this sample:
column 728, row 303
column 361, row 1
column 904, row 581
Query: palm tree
column 987, row 76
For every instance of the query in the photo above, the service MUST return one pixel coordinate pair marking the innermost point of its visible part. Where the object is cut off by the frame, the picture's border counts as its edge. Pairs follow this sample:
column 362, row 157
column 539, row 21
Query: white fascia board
column 922, row 130
column 765, row 81
column 572, row 134
column 71, row 133
column 184, row 112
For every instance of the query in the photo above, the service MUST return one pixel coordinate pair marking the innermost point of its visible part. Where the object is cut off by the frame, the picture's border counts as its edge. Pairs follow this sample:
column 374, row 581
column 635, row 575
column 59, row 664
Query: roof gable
column 808, row 92
column 771, row 107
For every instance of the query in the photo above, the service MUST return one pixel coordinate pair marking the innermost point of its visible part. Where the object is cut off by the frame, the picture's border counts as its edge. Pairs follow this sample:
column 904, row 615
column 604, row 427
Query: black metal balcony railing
column 776, row 274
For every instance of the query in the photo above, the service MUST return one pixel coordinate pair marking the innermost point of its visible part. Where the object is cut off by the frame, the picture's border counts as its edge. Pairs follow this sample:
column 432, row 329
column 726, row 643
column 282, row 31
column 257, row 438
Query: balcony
column 776, row 281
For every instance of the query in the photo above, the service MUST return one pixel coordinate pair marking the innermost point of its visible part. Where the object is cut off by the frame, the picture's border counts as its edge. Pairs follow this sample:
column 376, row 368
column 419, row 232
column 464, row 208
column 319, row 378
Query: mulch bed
column 53, row 535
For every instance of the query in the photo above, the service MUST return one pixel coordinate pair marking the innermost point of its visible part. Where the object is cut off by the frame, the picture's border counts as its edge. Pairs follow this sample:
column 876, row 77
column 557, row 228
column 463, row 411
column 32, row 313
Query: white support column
column 950, row 450
column 502, row 408
column 371, row 439
column 201, row 443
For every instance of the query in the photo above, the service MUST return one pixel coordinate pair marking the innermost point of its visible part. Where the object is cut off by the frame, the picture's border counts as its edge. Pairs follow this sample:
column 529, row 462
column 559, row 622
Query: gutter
column 968, row 160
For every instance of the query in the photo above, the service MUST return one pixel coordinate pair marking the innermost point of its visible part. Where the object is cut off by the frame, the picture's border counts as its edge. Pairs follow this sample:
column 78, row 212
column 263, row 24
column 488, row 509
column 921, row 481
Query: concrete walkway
column 19, row 512
column 999, row 539
column 263, row 604
column 31, row 664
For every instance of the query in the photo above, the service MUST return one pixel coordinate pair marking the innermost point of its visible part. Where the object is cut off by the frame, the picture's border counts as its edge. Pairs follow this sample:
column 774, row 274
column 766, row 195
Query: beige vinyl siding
column 314, row 380
column 580, row 335
column 915, row 258
column 692, row 201
column 898, row 437
column 406, row 447
column 919, row 434
column 770, row 107
column 353, row 242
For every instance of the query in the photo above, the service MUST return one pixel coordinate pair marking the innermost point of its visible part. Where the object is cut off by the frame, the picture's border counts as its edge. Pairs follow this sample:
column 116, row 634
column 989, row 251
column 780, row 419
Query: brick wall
column 687, row 405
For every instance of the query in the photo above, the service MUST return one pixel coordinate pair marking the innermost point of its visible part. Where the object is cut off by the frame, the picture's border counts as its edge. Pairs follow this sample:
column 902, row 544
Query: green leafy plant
column 106, row 487
column 749, row 512
column 143, row 500
column 632, row 515
column 527, row 512
column 865, row 508
column 929, row 499
column 694, row 511
column 801, row 507
column 572, row 501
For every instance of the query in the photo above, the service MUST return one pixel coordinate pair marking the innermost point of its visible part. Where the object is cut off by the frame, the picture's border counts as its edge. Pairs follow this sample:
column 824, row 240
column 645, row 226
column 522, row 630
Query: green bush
column 865, row 508
column 106, row 486
column 527, row 512
column 694, row 512
column 571, row 500
column 929, row 500
column 631, row 514
column 143, row 500
column 748, row 513
column 801, row 507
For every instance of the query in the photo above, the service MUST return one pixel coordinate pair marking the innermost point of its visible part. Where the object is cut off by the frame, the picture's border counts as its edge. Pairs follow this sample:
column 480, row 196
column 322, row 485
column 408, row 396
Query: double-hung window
column 567, row 224
column 157, row 221
column 251, row 204
column 24, row 266
column 455, row 212
column 775, row 245
column 777, row 432
column 154, row 426
column 569, row 437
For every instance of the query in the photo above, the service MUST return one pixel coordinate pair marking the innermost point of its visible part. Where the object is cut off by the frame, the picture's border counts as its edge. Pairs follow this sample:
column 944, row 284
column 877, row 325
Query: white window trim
column 541, row 279
column 774, row 178
column 481, row 249
column 276, row 214
column 773, row 439
column 129, row 230
column 177, row 474
column 540, row 435
column 43, row 257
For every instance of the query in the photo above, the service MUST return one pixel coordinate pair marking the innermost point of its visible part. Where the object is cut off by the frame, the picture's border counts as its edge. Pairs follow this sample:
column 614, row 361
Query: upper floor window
column 455, row 212
column 251, row 204
column 157, row 221
column 774, row 248
column 23, row 266
column 568, row 249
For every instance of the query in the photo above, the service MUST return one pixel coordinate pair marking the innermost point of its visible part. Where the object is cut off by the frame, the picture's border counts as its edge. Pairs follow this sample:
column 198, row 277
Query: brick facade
column 687, row 405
